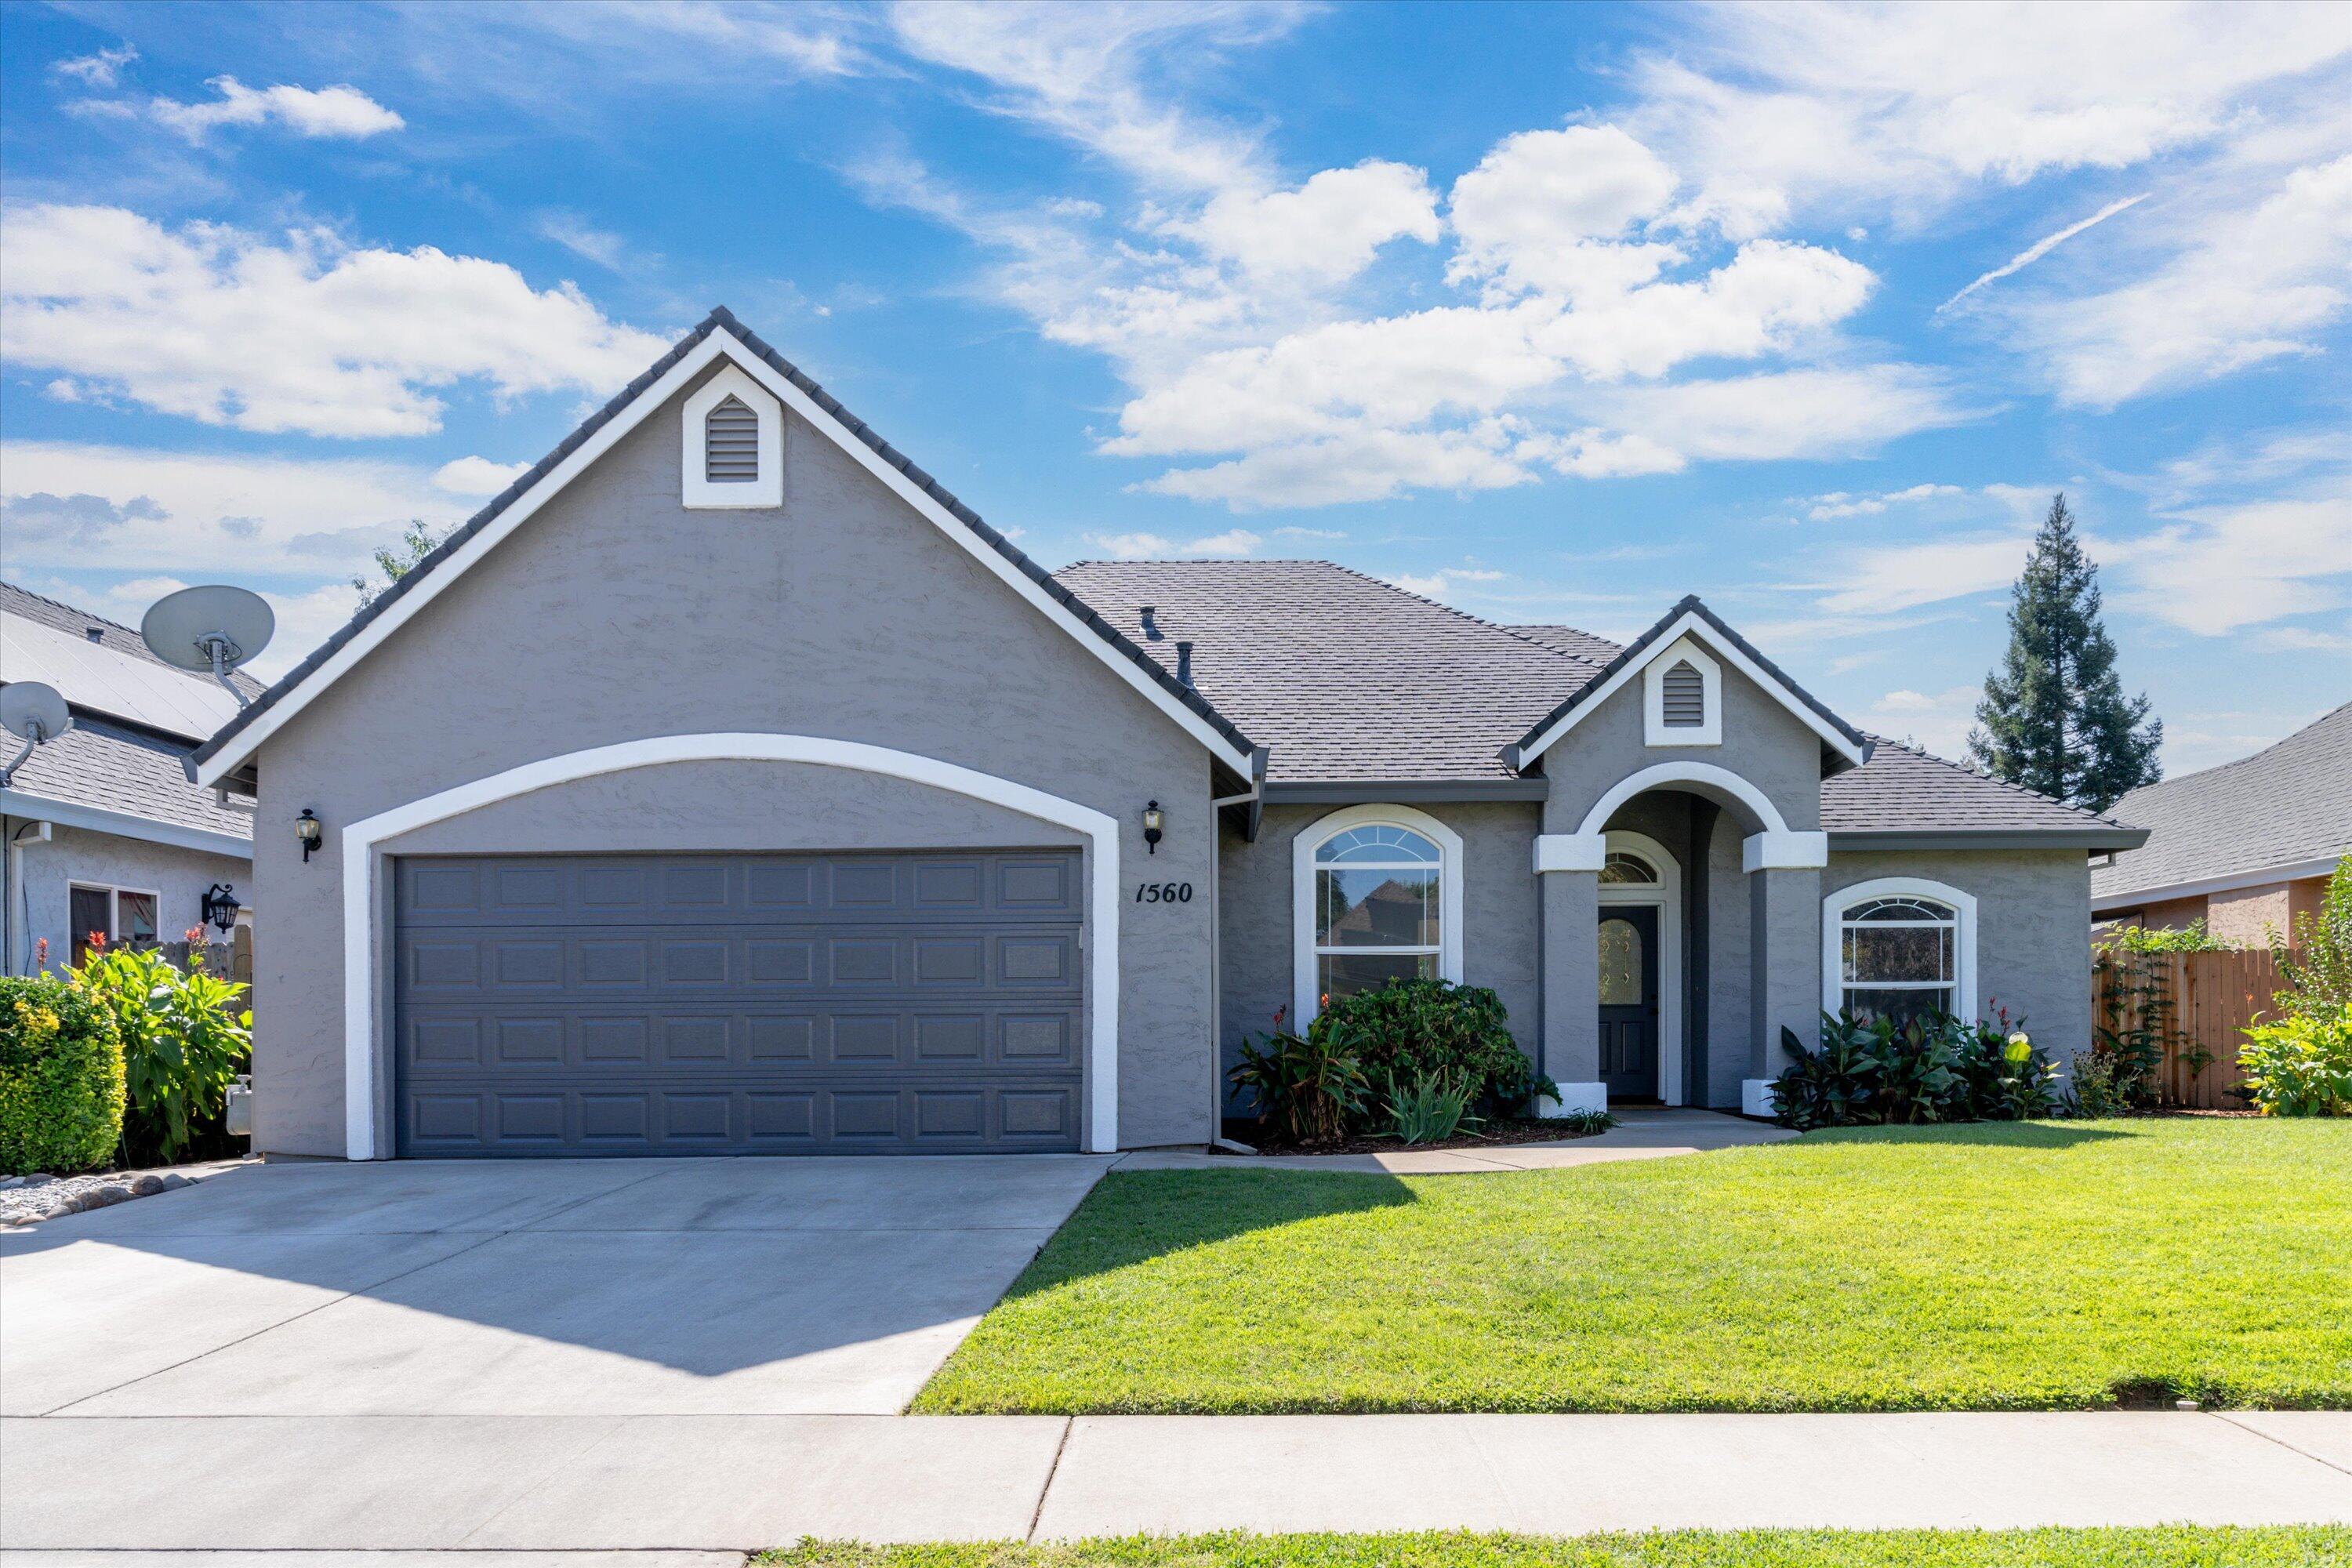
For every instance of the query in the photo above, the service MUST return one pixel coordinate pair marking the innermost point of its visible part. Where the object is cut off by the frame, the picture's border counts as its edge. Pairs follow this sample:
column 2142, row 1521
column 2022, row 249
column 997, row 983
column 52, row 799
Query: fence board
column 2199, row 1000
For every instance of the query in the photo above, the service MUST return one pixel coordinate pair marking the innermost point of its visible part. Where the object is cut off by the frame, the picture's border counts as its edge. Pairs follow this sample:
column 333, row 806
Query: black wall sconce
column 306, row 827
column 220, row 907
column 1152, row 823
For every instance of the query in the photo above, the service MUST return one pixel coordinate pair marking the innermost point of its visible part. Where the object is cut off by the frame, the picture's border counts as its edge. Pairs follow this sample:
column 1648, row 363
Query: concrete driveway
column 570, row 1287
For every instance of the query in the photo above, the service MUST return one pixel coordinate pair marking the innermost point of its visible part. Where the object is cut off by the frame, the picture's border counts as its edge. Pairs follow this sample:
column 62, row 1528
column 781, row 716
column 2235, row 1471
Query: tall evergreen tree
column 2054, row 717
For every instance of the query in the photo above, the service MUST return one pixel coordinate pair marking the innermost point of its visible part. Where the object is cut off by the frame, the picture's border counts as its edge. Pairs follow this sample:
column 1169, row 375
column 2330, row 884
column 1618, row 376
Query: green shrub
column 1308, row 1089
column 2190, row 938
column 1935, row 1068
column 2300, row 1066
column 2315, row 961
column 183, row 1041
column 60, row 1077
column 1409, row 1027
column 1430, row 1109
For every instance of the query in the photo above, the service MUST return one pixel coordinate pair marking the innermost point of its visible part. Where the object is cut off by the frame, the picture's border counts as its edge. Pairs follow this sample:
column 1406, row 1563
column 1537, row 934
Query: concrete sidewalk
column 733, row 1482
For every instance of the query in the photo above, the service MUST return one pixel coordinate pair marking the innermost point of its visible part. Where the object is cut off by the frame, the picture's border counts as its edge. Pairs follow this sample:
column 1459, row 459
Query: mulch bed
column 1487, row 1137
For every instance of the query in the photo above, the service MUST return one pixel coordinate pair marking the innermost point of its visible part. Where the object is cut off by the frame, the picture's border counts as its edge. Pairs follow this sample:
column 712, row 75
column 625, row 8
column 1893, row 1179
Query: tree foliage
column 2054, row 717
column 415, row 544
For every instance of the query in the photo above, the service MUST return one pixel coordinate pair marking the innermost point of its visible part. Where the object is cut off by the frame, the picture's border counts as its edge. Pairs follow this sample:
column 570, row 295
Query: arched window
column 1899, row 948
column 1624, row 869
column 1380, row 892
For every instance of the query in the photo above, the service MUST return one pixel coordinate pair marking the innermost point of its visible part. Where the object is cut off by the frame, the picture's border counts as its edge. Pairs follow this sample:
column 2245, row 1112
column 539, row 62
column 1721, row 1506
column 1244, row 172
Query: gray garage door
column 737, row 1004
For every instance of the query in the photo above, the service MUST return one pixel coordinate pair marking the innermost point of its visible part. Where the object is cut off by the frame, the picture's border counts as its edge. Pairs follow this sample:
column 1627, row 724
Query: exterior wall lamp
column 1153, row 821
column 220, row 907
column 306, row 827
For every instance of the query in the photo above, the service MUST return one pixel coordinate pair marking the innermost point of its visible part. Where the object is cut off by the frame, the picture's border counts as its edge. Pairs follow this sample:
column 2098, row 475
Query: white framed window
column 1681, row 697
column 1898, row 947
column 731, row 448
column 1377, row 896
column 123, row 916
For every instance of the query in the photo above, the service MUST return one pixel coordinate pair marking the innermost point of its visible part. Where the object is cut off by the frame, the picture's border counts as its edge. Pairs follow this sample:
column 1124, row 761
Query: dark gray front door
column 905, row 1003
column 1629, row 1002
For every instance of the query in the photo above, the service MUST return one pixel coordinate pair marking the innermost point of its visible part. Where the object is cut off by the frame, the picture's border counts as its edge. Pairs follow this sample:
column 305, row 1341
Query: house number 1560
column 1164, row 892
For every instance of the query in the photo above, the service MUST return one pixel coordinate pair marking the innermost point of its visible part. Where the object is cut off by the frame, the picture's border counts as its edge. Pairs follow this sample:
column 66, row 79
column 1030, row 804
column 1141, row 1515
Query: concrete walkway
column 1641, row 1133
column 551, row 1483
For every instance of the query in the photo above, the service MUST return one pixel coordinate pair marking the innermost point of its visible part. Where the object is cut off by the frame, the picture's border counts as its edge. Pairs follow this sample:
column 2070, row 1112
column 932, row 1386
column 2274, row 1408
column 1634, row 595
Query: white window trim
column 699, row 491
column 1665, row 896
column 1304, row 994
column 1964, row 936
column 1654, row 730
column 367, row 1081
column 114, row 909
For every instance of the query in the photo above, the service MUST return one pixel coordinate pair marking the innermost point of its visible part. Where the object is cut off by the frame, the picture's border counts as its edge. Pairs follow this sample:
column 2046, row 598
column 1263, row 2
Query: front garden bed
column 1263, row 1141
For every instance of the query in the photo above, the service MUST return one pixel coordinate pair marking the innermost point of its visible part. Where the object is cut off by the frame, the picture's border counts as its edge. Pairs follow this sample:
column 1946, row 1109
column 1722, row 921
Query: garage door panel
column 738, row 1004
column 648, row 891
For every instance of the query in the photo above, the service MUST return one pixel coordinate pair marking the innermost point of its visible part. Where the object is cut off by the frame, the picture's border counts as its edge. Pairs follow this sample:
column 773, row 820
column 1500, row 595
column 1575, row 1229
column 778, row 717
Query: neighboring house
column 2246, row 847
column 727, row 786
column 105, row 833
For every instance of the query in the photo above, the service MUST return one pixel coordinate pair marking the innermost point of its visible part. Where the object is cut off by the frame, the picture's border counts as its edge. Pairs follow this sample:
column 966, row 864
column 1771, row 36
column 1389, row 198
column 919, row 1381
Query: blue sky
column 1554, row 314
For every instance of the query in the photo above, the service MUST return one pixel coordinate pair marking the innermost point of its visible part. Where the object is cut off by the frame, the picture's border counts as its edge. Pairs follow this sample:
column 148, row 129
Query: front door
column 1629, row 1002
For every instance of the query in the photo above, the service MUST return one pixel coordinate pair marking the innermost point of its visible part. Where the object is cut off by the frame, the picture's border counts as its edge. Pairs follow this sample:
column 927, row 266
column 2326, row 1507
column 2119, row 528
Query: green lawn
column 2044, row 1265
column 2177, row 1546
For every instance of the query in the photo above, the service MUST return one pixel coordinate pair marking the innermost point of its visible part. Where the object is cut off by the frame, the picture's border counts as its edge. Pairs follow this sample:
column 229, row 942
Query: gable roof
column 2288, row 805
column 1347, row 678
column 718, row 334
column 1841, row 742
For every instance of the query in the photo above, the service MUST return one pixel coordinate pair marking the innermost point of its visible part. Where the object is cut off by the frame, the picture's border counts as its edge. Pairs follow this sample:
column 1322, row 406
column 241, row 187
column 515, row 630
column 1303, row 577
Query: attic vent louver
column 730, row 443
column 1683, row 694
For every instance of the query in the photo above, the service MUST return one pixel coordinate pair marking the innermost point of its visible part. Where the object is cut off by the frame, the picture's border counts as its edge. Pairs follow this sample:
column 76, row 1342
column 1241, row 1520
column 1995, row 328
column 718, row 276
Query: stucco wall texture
column 617, row 613
column 40, row 906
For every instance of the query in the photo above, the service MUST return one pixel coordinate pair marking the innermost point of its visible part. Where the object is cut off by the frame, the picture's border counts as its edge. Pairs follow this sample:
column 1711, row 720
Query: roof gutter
column 1854, row 840
column 2293, row 872
column 123, row 824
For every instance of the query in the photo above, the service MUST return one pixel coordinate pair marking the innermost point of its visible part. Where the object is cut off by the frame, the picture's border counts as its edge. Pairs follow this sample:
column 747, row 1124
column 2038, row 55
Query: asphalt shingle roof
column 722, row 317
column 1902, row 789
column 114, row 767
column 1344, row 676
column 1571, row 642
column 2285, row 806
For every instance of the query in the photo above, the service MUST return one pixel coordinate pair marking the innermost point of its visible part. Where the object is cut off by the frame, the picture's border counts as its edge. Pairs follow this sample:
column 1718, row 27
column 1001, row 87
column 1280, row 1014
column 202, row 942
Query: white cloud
column 72, row 506
column 1543, row 211
column 1757, row 304
column 1233, row 542
column 1326, row 231
column 1596, row 454
column 1839, row 503
column 1937, row 721
column 1292, row 530
column 101, row 70
column 2302, row 640
column 1789, row 414
column 342, row 112
column 583, row 239
column 1131, row 547
column 2250, row 286
column 1358, row 465
column 1884, row 579
column 2040, row 248
column 2222, row 568
column 476, row 476
column 310, row 334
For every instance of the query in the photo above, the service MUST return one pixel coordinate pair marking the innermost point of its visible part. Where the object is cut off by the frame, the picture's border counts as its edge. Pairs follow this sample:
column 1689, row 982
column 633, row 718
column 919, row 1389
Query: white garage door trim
column 365, row 1074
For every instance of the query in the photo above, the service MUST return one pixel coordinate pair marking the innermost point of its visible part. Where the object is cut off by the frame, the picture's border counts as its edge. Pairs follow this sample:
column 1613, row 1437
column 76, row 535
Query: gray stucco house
column 104, row 832
column 727, row 786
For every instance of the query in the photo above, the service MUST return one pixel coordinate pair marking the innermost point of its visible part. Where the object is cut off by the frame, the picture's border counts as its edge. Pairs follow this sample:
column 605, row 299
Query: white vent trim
column 765, row 488
column 1656, row 730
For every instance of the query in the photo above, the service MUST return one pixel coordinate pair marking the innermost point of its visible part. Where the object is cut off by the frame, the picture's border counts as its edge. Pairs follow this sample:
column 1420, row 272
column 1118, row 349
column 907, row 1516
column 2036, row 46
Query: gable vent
column 1683, row 694
column 730, row 443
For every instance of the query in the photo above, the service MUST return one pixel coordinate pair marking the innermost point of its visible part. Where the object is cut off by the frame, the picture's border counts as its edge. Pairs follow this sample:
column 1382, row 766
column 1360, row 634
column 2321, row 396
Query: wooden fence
column 2194, row 1002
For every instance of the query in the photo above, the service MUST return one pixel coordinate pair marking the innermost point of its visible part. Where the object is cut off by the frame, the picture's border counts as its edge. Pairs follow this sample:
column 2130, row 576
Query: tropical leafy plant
column 1430, row 1109
column 183, row 1040
column 1309, row 1087
column 1933, row 1067
column 1409, row 1027
column 1585, row 1123
column 2300, row 1065
column 60, row 1077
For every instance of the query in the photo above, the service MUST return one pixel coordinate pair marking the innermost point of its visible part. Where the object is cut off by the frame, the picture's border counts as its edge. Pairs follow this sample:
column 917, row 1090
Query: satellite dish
column 32, row 712
column 214, row 627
